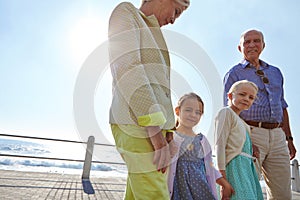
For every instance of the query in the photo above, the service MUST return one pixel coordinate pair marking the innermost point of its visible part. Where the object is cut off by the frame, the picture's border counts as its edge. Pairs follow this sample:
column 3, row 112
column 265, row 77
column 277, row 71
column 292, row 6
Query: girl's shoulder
column 226, row 109
column 205, row 143
column 225, row 112
column 201, row 136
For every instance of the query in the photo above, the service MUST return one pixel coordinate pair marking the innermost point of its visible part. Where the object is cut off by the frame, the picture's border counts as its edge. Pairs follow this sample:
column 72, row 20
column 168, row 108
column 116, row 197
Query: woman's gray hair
column 185, row 3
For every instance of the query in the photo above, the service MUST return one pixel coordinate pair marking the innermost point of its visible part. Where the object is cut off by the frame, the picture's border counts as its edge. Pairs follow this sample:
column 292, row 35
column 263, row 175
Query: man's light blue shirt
column 270, row 102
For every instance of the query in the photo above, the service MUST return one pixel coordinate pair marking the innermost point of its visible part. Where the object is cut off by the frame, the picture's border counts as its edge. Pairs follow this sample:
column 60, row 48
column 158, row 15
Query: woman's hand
column 162, row 156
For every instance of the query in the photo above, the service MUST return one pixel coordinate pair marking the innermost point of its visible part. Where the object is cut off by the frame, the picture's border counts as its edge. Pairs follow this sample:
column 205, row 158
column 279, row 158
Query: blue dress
column 190, row 181
column 242, row 176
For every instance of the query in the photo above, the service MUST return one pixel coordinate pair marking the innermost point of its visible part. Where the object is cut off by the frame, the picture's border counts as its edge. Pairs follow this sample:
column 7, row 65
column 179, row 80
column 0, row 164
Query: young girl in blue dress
column 233, row 144
column 192, row 175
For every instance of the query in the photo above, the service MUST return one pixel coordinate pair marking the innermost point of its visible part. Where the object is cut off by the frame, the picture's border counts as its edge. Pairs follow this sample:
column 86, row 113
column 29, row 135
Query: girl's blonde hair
column 188, row 96
column 235, row 85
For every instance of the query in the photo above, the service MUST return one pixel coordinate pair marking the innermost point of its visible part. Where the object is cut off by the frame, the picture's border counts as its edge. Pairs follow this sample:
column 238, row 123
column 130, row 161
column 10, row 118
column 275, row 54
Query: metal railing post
column 88, row 158
column 295, row 176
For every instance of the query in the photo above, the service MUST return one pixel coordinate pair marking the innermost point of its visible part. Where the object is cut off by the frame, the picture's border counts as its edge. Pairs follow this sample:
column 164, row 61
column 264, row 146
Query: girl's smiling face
column 242, row 98
column 189, row 113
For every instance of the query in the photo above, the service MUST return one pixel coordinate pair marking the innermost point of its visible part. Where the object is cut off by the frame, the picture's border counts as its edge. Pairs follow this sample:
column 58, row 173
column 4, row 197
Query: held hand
column 162, row 158
column 162, row 155
column 227, row 192
column 172, row 145
column 226, row 189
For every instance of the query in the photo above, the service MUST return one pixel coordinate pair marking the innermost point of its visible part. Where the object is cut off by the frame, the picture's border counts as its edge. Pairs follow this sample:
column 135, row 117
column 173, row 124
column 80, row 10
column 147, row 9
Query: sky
column 44, row 45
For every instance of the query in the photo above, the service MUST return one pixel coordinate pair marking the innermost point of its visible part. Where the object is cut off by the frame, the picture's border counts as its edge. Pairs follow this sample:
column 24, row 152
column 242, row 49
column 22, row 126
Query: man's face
column 251, row 45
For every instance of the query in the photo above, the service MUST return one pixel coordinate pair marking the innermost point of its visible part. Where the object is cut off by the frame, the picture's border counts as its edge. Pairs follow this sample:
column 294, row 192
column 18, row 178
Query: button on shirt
column 270, row 102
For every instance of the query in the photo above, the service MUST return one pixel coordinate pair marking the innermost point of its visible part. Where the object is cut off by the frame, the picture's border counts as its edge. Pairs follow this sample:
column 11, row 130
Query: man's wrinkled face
column 251, row 45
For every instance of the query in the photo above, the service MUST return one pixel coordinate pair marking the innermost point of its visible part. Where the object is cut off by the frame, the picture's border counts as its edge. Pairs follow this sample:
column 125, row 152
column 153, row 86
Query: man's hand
column 162, row 155
column 292, row 149
column 256, row 152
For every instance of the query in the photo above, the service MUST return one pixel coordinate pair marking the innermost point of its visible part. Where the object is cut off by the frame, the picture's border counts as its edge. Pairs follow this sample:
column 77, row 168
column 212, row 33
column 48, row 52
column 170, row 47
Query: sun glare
column 85, row 36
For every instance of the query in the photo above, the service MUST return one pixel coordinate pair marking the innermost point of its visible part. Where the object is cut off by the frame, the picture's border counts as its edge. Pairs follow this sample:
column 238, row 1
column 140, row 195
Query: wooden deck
column 18, row 185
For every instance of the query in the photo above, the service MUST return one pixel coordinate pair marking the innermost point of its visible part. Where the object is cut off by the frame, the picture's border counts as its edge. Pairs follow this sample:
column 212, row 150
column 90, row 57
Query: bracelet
column 289, row 138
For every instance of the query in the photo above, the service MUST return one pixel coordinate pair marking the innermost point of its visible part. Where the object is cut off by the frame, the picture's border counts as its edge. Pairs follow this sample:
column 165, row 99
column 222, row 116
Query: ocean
column 62, row 150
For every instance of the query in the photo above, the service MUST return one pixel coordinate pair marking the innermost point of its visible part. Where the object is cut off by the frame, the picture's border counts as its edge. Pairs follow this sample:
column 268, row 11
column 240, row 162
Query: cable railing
column 89, row 154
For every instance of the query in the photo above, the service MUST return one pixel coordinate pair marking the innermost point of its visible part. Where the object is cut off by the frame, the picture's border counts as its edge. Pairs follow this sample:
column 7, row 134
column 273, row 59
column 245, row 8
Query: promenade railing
column 88, row 160
column 295, row 176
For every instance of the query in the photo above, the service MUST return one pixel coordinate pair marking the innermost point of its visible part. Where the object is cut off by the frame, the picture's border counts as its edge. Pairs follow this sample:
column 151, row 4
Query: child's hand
column 172, row 145
column 226, row 188
column 226, row 192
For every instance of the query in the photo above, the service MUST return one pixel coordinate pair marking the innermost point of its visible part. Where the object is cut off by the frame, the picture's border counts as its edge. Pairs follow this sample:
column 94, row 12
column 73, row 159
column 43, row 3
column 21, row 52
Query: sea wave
column 24, row 147
column 57, row 164
column 19, row 147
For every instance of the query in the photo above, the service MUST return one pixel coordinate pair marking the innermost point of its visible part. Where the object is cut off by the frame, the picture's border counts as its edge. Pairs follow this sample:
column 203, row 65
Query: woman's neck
column 147, row 8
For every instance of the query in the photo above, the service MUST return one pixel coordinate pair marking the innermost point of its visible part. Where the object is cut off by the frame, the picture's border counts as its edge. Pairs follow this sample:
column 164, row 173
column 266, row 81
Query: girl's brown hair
column 187, row 96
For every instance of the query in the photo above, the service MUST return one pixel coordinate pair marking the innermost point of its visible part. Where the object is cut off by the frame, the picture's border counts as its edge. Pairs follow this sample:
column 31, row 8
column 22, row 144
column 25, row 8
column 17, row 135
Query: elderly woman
column 141, row 111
